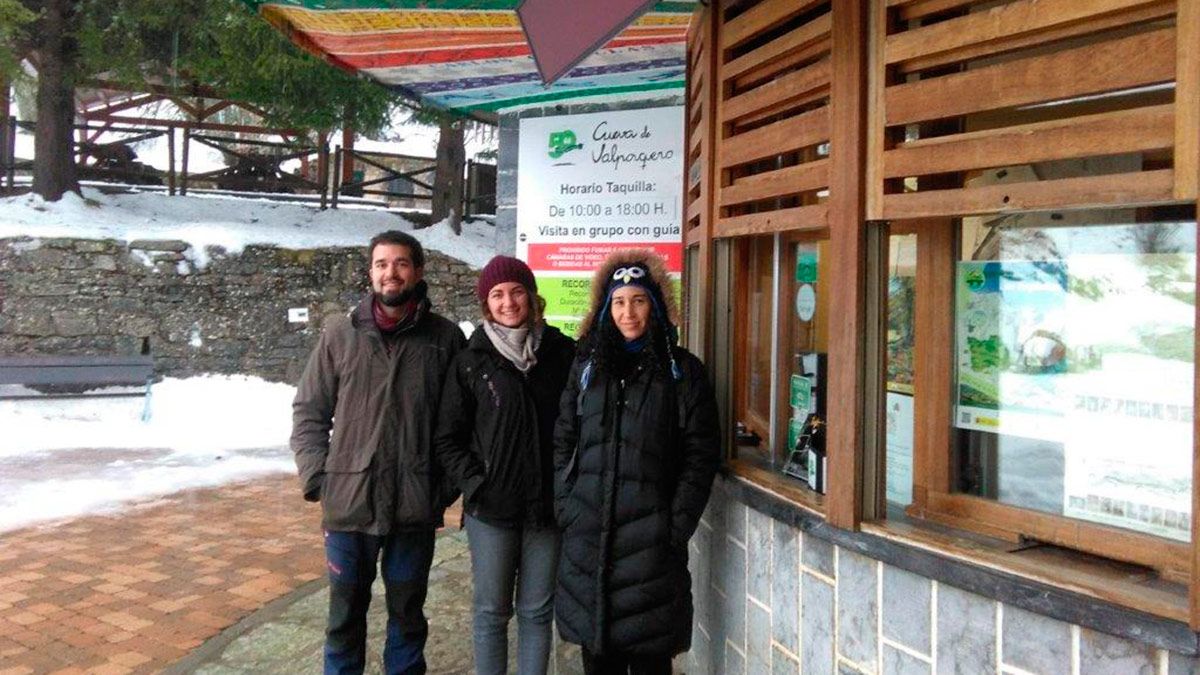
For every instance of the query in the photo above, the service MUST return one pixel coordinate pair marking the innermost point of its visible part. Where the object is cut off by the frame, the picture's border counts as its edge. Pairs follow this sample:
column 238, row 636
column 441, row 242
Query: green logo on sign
column 562, row 142
column 975, row 279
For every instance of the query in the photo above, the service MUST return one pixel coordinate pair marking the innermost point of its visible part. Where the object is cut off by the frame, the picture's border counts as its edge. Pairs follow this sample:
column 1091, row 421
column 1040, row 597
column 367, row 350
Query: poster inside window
column 901, row 340
column 1074, row 357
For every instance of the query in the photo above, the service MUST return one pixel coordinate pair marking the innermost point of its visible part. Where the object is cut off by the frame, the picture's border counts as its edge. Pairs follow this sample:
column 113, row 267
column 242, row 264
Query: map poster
column 1093, row 352
column 589, row 184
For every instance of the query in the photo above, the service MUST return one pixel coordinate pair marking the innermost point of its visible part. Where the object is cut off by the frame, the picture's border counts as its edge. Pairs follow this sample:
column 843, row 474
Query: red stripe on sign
column 585, row 257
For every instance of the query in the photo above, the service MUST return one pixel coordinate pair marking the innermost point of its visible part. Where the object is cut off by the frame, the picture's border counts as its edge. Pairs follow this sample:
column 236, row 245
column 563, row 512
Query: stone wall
column 775, row 598
column 203, row 312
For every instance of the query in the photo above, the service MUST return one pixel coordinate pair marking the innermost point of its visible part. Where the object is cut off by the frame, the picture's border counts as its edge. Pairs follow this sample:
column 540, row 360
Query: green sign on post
column 801, row 392
column 806, row 266
column 795, row 427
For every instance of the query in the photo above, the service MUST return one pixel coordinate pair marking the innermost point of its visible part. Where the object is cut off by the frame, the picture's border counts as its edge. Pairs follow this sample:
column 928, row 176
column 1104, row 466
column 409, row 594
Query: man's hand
column 316, row 485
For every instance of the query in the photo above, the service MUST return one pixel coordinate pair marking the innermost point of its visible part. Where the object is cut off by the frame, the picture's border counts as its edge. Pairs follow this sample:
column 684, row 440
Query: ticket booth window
column 781, row 345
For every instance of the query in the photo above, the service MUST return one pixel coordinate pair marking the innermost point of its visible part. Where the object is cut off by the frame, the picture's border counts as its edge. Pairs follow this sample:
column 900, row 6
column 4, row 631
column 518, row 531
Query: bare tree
column 1156, row 237
column 448, row 181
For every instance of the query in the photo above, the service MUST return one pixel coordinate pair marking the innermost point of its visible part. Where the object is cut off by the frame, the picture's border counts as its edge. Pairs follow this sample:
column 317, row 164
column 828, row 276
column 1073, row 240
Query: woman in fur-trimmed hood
column 659, row 278
column 636, row 447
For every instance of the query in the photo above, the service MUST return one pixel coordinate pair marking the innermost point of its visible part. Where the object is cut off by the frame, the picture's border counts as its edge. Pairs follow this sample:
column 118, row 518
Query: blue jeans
column 502, row 558
column 351, row 557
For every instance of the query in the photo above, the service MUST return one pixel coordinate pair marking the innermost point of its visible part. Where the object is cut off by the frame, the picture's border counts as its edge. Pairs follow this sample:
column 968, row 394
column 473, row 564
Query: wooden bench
column 78, row 376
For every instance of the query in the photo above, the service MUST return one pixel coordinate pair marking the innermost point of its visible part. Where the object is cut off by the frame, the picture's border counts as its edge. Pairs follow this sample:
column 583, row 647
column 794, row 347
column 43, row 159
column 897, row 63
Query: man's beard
column 398, row 298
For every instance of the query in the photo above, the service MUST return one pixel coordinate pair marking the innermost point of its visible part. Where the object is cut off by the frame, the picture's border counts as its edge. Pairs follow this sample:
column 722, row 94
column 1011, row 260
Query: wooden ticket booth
column 946, row 250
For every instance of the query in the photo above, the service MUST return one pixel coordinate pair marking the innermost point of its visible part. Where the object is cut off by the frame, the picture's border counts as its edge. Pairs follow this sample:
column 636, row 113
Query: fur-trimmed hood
column 621, row 258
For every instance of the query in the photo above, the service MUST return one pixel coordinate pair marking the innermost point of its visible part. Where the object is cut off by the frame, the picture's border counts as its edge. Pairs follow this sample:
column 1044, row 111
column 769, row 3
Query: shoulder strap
column 585, row 378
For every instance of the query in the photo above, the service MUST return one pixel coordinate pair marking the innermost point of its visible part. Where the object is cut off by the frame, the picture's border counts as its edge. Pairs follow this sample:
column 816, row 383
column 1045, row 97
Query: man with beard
column 362, row 429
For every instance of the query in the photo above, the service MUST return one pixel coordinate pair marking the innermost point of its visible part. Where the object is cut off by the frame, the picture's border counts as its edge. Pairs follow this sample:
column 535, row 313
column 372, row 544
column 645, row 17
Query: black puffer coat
column 495, row 435
column 629, row 501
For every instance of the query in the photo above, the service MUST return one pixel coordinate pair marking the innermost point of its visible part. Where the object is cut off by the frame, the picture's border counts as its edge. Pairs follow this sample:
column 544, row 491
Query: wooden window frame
column 934, row 497
column 932, row 210
column 783, row 321
column 933, row 381
column 759, row 472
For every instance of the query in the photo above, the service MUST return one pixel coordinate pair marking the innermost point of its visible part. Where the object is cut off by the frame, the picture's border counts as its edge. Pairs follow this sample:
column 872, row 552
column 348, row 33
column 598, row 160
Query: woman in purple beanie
column 495, row 440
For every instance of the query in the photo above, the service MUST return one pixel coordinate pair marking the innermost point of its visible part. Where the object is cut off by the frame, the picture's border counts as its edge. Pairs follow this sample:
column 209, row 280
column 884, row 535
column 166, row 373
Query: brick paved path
column 136, row 591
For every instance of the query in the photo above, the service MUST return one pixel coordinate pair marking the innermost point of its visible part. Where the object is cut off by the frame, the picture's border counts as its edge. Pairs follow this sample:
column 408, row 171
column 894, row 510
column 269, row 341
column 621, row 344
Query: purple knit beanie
column 501, row 269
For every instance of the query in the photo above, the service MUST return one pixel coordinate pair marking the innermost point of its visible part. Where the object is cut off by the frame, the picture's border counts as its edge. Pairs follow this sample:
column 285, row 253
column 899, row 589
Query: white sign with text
column 589, row 184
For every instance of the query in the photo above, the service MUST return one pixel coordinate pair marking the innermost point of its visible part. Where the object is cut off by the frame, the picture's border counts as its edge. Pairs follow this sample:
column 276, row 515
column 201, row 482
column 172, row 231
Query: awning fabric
column 471, row 55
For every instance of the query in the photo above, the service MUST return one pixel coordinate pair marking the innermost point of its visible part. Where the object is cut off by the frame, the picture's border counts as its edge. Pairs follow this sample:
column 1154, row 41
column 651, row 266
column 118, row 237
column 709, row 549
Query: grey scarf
column 518, row 345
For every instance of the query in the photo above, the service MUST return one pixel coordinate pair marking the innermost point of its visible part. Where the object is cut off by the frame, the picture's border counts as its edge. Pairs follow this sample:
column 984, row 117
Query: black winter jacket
column 632, row 482
column 495, row 434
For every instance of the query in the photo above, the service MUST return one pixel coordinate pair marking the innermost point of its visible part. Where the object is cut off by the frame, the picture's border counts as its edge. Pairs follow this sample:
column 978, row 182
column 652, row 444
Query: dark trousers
column 625, row 664
column 352, row 557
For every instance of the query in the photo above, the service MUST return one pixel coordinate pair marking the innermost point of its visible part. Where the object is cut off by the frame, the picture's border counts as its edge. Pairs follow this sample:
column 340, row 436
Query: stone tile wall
column 203, row 311
column 773, row 599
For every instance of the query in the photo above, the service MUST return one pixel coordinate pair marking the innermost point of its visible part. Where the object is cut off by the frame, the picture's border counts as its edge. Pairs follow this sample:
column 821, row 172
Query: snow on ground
column 61, row 458
column 229, row 222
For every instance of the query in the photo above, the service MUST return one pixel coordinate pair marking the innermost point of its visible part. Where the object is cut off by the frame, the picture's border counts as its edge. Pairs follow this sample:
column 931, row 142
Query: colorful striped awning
column 471, row 55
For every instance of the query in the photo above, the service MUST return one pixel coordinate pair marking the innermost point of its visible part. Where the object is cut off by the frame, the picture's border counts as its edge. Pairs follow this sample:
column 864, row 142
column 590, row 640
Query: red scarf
column 387, row 324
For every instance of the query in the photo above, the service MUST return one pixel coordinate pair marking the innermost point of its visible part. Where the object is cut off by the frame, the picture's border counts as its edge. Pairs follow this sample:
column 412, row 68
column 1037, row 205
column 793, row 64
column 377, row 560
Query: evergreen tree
column 218, row 43
column 246, row 59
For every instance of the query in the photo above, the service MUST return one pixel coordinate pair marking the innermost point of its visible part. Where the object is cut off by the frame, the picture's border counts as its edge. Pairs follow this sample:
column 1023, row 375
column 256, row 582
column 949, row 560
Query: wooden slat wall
column 1015, row 75
column 698, row 129
column 772, row 117
column 701, row 169
column 1187, row 98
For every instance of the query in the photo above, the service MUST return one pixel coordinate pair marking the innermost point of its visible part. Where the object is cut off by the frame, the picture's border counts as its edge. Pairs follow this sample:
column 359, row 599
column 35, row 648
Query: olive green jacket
column 362, row 423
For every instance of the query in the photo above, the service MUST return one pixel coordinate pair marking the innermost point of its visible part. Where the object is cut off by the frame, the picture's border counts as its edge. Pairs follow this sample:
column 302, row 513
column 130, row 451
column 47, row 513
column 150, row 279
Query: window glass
column 802, row 358
column 1074, row 351
column 901, row 292
column 760, row 305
